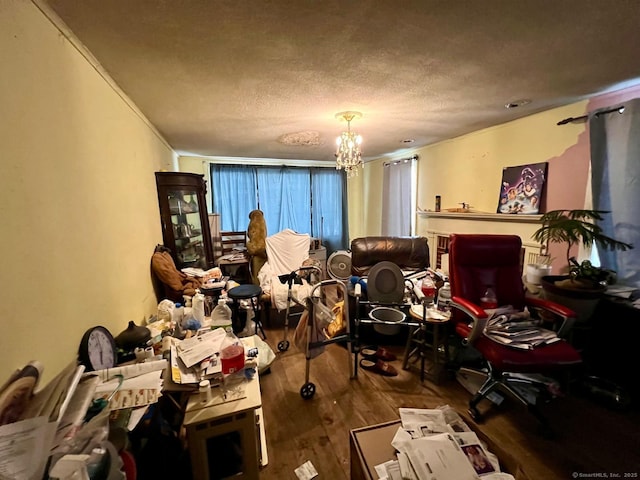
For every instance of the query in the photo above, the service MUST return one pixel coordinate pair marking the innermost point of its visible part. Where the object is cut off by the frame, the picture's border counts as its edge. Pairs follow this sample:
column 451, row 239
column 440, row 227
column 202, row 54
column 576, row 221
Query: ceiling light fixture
column 348, row 154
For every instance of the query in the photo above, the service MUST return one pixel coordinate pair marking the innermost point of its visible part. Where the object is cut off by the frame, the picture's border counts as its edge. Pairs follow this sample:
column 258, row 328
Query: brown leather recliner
column 409, row 253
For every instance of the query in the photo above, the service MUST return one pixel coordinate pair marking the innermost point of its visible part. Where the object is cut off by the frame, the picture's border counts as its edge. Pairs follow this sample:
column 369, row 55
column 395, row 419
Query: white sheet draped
column 286, row 252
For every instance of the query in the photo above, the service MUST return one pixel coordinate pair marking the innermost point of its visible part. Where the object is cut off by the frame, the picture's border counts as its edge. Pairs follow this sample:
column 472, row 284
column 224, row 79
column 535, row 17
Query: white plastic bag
column 266, row 356
column 165, row 310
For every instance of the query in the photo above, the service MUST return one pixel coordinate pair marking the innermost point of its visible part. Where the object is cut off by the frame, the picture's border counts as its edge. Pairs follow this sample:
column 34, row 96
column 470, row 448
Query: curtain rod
column 584, row 118
column 395, row 162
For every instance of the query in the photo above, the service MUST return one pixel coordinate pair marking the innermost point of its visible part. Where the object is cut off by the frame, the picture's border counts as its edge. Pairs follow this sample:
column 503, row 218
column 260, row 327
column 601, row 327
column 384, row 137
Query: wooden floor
column 591, row 439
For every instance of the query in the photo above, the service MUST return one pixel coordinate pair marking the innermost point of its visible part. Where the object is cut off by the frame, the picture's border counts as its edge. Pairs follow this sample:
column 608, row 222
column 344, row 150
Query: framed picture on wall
column 521, row 189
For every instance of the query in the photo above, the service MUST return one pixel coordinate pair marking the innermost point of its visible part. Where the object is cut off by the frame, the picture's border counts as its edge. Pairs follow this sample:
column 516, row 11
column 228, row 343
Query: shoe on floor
column 379, row 366
column 378, row 352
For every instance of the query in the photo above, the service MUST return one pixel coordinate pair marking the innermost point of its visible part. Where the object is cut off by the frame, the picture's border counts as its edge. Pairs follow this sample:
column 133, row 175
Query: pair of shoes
column 377, row 352
column 379, row 366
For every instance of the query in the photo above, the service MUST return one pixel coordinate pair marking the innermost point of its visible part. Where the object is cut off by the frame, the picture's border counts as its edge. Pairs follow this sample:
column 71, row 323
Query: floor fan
column 339, row 265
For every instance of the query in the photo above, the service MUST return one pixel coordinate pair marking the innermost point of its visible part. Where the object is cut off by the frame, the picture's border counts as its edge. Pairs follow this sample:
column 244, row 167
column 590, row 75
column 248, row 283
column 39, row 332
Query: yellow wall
column 469, row 168
column 79, row 209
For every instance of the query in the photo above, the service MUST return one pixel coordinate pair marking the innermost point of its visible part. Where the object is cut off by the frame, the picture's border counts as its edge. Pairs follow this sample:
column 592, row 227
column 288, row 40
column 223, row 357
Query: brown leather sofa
column 409, row 253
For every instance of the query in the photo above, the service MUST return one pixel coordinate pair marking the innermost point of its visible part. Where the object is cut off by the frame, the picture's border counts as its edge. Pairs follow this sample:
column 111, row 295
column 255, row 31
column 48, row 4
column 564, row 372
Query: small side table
column 227, row 436
column 247, row 292
column 418, row 343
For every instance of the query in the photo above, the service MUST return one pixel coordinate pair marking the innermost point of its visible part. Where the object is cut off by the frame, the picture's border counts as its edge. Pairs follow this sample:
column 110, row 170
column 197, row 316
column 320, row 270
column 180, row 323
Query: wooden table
column 429, row 325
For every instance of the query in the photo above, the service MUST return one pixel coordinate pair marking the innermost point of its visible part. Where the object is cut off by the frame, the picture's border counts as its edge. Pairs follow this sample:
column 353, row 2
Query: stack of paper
column 517, row 329
column 437, row 444
column 197, row 358
column 29, row 422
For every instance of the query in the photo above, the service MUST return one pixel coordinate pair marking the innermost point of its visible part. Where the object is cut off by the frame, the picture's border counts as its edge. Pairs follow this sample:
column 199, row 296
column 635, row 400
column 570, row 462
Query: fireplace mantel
column 437, row 226
column 494, row 217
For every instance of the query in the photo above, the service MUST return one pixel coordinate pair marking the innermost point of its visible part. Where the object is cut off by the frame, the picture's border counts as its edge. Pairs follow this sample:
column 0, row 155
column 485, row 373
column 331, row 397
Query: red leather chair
column 478, row 261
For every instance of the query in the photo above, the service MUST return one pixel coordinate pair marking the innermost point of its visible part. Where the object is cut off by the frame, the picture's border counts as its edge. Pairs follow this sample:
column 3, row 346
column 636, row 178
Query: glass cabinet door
column 185, row 226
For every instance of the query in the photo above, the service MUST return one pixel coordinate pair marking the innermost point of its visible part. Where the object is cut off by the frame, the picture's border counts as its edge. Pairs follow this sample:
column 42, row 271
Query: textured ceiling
column 229, row 78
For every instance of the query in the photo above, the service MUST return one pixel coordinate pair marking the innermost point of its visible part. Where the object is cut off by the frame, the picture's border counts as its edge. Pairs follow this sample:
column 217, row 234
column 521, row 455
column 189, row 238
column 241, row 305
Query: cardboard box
column 371, row 446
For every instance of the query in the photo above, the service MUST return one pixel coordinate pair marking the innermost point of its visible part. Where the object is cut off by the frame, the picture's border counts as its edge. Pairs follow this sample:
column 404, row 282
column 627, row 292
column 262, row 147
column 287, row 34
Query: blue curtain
column 329, row 208
column 615, row 172
column 306, row 200
column 284, row 194
column 234, row 208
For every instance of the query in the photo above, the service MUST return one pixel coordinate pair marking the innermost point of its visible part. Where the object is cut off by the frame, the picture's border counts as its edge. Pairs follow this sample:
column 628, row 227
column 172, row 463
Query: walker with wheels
column 290, row 279
column 317, row 305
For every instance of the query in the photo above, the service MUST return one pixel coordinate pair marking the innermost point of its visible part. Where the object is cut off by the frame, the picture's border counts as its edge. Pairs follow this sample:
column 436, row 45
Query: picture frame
column 522, row 188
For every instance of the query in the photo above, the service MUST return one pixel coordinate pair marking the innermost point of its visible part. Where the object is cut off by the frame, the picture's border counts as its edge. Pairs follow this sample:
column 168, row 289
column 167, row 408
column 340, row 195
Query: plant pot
column 581, row 300
column 535, row 272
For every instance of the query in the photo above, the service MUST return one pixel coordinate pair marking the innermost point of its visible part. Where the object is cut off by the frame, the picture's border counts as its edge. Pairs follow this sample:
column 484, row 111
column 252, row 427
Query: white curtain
column 397, row 208
column 615, row 181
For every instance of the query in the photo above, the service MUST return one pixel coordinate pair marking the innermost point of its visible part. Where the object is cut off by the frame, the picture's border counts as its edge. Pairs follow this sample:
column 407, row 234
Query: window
column 304, row 199
column 615, row 182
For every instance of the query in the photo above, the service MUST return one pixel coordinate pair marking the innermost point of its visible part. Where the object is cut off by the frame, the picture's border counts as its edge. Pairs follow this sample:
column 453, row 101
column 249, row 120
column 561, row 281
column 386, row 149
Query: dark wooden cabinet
column 184, row 218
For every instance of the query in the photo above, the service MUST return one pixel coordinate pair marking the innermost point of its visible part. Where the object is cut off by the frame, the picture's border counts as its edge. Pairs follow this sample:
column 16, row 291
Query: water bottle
column 231, row 353
column 221, row 315
column 222, row 312
column 444, row 298
column 489, row 299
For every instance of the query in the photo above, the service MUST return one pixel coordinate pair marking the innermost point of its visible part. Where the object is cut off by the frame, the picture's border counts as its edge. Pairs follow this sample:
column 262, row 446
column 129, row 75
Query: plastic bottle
column 489, row 299
column 97, row 466
column 444, row 297
column 428, row 289
column 222, row 312
column 197, row 306
column 187, row 300
column 204, row 387
column 178, row 314
column 323, row 315
column 231, row 353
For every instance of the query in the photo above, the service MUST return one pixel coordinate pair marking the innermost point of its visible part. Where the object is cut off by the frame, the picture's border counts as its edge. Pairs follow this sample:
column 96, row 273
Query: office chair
column 477, row 262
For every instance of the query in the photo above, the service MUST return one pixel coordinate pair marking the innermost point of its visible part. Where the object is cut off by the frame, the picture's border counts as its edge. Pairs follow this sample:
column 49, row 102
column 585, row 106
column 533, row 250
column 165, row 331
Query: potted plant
column 584, row 280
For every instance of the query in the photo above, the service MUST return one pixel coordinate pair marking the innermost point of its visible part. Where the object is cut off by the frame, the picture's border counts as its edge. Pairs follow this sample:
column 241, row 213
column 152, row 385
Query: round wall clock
column 97, row 349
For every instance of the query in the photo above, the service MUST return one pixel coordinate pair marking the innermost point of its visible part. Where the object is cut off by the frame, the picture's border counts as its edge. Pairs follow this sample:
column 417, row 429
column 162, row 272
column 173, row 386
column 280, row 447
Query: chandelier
column 348, row 154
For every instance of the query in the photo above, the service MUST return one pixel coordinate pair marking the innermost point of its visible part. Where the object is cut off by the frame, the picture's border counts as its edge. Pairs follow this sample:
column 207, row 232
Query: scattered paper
column 134, row 392
column 24, row 448
column 306, row 471
column 195, row 349
column 133, row 370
